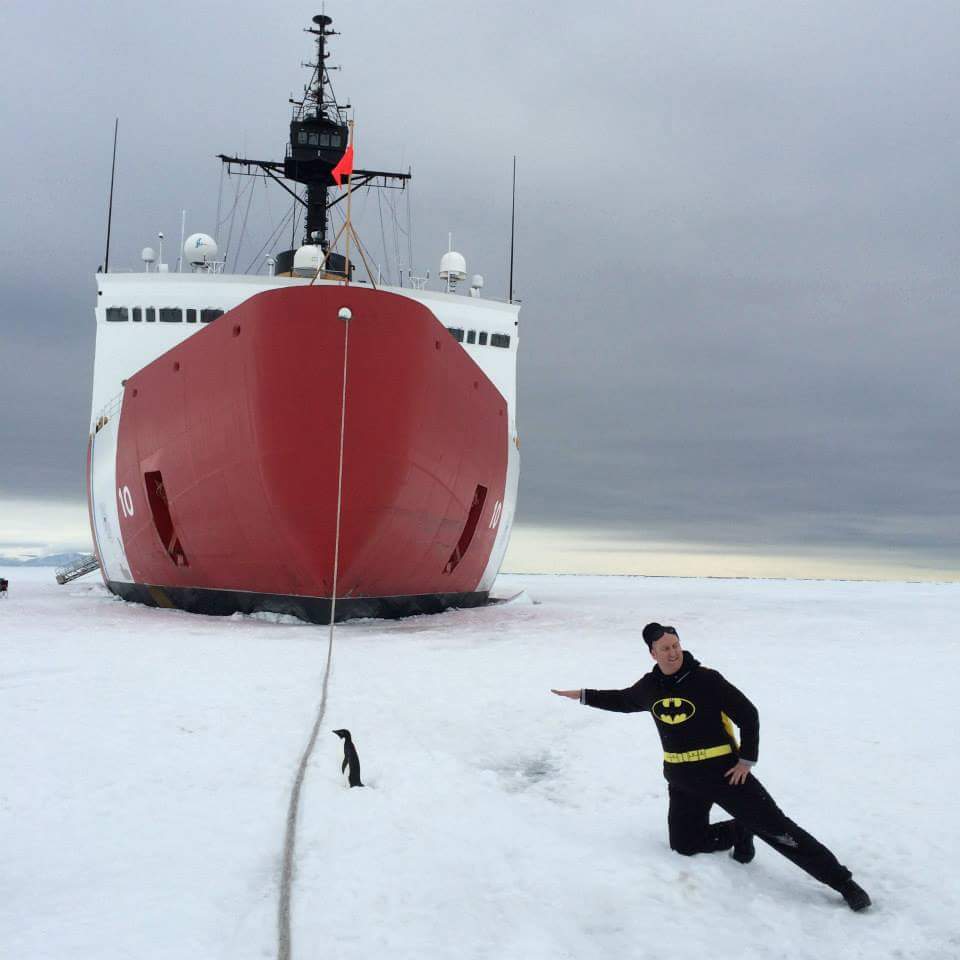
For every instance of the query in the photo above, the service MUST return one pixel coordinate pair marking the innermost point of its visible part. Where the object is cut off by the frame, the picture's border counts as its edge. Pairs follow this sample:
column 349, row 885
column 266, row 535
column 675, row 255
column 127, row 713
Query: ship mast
column 316, row 103
column 318, row 140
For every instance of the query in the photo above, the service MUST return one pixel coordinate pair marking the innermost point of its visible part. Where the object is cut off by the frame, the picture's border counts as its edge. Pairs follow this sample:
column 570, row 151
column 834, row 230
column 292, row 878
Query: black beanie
column 652, row 632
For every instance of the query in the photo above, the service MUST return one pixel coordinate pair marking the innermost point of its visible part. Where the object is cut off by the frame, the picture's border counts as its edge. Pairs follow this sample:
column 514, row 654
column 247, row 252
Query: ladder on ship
column 78, row 568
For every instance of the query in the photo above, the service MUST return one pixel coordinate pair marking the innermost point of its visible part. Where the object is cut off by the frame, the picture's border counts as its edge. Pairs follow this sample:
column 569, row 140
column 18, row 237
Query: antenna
column 183, row 230
column 113, row 170
column 513, row 220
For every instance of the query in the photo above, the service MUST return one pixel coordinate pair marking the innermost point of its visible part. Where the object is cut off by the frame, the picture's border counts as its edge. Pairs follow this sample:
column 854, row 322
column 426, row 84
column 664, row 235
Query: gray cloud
column 737, row 235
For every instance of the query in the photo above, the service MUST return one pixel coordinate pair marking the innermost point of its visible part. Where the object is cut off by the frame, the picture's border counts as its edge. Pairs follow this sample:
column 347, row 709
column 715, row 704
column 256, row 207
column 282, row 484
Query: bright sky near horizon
column 736, row 232
column 39, row 528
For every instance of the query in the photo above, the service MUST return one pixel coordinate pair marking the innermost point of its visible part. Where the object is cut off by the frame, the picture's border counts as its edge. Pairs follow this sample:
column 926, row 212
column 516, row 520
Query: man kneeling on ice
column 693, row 707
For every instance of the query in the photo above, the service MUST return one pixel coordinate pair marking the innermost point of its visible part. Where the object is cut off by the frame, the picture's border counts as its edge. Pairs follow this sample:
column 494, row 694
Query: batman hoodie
column 693, row 709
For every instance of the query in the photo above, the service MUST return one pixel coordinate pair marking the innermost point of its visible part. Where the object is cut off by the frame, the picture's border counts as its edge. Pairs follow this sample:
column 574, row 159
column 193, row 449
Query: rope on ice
column 290, row 839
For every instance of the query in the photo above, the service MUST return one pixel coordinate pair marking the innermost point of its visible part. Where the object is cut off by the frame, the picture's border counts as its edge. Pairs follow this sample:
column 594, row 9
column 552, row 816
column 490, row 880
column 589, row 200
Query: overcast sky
column 737, row 246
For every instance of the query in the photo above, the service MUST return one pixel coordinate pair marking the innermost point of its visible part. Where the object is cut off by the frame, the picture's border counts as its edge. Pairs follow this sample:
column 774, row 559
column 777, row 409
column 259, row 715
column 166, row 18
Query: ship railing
column 211, row 266
column 188, row 269
column 110, row 409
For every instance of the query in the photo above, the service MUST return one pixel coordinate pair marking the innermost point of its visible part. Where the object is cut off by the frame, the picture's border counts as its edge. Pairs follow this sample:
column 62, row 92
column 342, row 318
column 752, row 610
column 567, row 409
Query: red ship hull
column 229, row 445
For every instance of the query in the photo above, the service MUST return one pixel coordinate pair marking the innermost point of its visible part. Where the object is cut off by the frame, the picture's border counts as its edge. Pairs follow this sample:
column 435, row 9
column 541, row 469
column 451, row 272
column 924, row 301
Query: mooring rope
column 290, row 839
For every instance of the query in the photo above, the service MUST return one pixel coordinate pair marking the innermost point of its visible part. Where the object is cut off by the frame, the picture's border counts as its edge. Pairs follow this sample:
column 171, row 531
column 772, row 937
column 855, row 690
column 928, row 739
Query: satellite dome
column 199, row 249
column 453, row 266
column 307, row 260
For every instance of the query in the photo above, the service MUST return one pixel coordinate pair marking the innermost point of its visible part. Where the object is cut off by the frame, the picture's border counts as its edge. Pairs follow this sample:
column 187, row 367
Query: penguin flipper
column 343, row 768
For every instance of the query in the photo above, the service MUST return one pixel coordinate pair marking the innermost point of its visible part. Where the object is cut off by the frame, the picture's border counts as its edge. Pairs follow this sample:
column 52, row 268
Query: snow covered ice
column 148, row 755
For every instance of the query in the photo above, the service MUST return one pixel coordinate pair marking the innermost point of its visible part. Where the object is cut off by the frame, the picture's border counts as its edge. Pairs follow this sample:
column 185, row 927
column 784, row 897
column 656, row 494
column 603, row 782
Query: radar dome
column 199, row 249
column 453, row 266
column 307, row 259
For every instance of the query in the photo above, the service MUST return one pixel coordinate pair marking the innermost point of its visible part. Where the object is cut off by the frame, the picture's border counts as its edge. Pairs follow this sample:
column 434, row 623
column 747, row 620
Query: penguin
column 350, row 758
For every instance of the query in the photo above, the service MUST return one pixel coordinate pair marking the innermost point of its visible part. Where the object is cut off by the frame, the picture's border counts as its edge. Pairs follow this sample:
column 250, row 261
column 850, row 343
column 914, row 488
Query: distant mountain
column 53, row 560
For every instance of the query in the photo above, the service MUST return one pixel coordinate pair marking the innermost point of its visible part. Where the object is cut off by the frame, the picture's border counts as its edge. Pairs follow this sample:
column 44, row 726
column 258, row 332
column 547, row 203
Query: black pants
column 755, row 811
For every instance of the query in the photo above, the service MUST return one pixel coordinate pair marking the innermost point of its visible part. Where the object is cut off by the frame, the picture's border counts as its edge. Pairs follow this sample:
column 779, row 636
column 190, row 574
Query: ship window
column 313, row 140
column 483, row 339
column 208, row 316
column 191, row 315
column 151, row 315
column 456, row 333
column 137, row 315
column 469, row 529
column 171, row 315
column 324, row 139
column 335, row 140
column 116, row 314
column 302, row 136
column 499, row 340
column 471, row 336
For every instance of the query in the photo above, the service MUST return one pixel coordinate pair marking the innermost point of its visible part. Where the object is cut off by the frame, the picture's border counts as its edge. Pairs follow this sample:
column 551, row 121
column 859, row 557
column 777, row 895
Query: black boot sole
column 744, row 852
column 856, row 897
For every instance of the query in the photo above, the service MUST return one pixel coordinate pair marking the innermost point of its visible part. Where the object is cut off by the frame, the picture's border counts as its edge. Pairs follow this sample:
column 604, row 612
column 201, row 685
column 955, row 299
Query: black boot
column 743, row 849
column 857, row 898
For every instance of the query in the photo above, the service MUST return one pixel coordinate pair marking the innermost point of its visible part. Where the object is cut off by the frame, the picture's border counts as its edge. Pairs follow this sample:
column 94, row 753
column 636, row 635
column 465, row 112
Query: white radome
column 453, row 266
column 199, row 249
column 307, row 259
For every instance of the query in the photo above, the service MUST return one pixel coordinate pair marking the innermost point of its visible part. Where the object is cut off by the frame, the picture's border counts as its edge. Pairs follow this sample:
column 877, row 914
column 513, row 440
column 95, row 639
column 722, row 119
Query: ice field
column 147, row 758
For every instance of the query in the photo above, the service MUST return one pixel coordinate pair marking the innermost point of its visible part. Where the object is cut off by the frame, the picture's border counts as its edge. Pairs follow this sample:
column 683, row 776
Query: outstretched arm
column 621, row 701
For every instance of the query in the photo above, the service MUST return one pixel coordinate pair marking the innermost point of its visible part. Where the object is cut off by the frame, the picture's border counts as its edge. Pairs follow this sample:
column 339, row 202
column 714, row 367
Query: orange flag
column 344, row 167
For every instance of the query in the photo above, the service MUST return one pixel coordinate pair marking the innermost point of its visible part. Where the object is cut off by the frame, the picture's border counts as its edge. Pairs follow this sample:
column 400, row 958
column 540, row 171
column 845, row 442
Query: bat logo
column 673, row 710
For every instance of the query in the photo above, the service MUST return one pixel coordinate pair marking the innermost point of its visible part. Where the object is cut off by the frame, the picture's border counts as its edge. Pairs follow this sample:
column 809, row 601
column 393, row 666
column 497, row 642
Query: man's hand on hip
column 738, row 774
